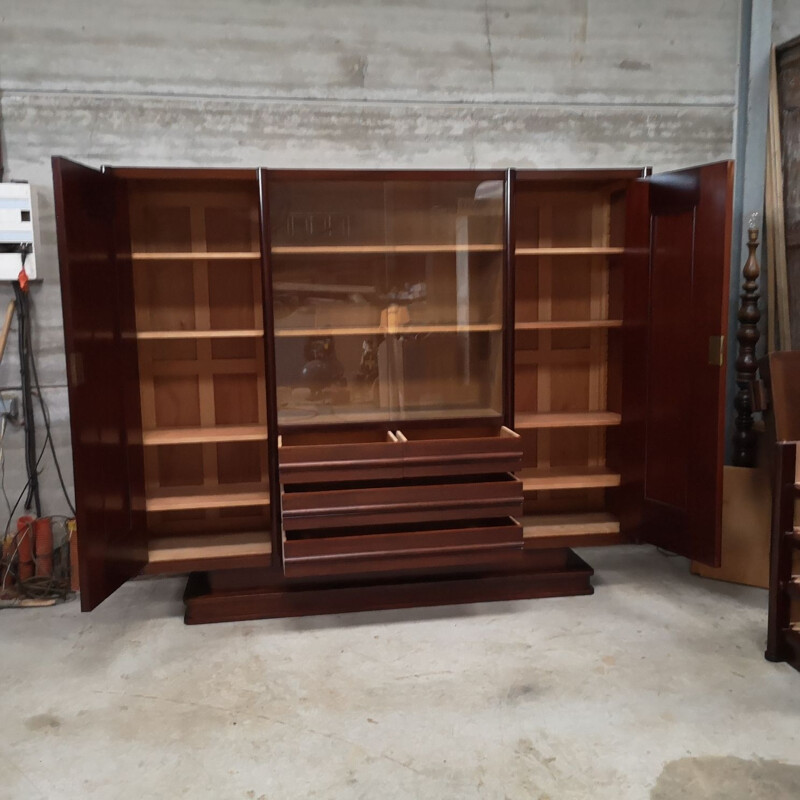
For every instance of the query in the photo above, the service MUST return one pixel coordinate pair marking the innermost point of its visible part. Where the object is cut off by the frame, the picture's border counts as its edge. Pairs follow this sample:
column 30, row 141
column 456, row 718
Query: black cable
column 32, row 497
column 22, row 493
column 32, row 466
column 46, row 417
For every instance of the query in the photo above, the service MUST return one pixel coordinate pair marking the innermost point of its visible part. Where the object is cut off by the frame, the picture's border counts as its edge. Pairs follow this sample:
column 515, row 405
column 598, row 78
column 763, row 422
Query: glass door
column 388, row 296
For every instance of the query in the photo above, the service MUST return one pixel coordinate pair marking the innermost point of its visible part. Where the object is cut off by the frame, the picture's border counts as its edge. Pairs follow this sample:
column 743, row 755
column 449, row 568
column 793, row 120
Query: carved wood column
column 745, row 438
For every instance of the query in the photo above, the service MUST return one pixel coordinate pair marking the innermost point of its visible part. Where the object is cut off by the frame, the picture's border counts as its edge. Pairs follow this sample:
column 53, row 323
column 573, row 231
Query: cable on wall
column 23, row 320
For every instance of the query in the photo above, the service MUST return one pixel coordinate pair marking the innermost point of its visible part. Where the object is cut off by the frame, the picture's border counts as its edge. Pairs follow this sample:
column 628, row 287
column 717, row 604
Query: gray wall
column 542, row 83
column 785, row 20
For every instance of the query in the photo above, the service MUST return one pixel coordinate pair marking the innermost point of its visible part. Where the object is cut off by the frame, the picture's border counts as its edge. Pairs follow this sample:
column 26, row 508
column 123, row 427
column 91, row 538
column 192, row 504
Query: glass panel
column 388, row 299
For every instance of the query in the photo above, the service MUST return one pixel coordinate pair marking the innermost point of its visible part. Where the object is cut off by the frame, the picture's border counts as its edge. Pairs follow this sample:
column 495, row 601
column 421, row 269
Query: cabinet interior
column 388, row 299
column 568, row 356
column 195, row 260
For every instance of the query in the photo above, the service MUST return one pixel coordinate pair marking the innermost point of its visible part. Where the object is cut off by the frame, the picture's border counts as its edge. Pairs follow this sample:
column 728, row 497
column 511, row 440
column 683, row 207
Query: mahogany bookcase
column 326, row 391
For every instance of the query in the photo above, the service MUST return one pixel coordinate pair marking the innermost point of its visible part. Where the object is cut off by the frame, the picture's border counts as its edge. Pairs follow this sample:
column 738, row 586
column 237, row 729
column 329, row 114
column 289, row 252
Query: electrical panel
column 18, row 238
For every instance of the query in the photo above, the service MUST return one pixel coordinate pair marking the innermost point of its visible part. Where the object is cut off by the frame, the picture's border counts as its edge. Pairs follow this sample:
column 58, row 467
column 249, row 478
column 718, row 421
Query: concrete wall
column 453, row 83
column 785, row 20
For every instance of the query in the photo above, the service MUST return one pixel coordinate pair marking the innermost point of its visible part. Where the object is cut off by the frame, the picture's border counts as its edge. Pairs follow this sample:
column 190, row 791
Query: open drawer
column 460, row 450
column 328, row 457
column 393, row 547
column 306, row 507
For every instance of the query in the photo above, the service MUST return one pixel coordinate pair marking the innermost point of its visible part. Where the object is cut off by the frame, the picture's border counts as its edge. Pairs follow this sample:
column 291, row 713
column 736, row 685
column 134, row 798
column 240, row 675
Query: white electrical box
column 18, row 219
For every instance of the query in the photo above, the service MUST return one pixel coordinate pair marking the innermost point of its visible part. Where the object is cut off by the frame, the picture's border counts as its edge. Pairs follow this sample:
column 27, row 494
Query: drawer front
column 461, row 455
column 328, row 463
column 487, row 541
column 496, row 496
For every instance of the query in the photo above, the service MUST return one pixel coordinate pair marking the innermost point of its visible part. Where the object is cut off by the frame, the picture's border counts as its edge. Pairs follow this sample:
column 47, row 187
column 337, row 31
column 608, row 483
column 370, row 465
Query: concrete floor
column 655, row 687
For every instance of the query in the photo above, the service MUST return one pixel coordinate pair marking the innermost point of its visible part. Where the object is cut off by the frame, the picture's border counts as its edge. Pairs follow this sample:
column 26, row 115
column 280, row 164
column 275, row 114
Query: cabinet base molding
column 249, row 594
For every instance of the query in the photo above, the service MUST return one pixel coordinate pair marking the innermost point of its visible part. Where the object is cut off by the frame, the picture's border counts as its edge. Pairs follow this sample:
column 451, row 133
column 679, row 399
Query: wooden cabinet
column 329, row 390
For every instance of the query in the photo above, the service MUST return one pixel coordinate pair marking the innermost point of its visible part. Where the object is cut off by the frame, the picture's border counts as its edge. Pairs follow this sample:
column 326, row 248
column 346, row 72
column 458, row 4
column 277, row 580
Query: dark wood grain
column 747, row 335
column 567, row 574
column 783, row 499
column 370, row 551
column 582, row 175
column 338, row 506
column 626, row 443
column 509, row 298
column 271, row 381
column 128, row 361
column 386, row 175
column 183, row 174
column 111, row 549
column 689, row 272
column 460, row 450
column 782, row 371
column 320, row 458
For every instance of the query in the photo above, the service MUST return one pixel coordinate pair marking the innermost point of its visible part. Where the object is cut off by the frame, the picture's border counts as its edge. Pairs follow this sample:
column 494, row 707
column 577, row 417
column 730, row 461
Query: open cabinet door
column 111, row 548
column 690, row 238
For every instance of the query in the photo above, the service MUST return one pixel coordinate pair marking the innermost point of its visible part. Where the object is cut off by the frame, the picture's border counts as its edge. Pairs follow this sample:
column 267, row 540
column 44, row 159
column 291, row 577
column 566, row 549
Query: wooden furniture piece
column 783, row 633
column 783, row 164
column 746, row 485
column 325, row 391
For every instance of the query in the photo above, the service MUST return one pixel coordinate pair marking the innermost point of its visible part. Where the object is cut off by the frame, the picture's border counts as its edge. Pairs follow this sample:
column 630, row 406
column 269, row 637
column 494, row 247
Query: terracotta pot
column 43, row 537
column 24, row 544
column 74, row 572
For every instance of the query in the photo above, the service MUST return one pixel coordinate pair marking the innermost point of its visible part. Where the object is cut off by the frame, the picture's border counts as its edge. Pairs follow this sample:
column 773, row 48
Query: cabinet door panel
column 690, row 236
column 111, row 548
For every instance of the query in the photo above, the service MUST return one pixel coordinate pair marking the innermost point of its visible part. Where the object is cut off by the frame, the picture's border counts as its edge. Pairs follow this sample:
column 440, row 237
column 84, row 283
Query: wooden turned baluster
column 744, row 438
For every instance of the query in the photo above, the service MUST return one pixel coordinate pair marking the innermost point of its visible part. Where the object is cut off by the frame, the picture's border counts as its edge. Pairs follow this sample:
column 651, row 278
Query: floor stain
column 727, row 778
column 43, row 722
column 523, row 691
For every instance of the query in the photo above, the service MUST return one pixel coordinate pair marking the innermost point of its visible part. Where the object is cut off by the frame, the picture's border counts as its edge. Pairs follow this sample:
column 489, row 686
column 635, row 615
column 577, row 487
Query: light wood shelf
column 568, row 251
column 195, row 256
column 221, row 433
column 578, row 419
column 367, row 249
column 546, row 325
column 196, row 499
column 551, row 525
column 300, row 415
column 245, row 333
column 171, row 552
column 385, row 331
column 541, row 480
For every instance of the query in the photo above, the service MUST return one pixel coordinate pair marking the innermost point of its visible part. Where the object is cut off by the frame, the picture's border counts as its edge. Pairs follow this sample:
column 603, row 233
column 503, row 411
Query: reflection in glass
column 388, row 299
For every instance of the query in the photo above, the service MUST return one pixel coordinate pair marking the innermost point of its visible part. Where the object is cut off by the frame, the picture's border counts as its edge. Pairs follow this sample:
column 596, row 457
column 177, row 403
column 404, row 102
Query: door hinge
column 716, row 351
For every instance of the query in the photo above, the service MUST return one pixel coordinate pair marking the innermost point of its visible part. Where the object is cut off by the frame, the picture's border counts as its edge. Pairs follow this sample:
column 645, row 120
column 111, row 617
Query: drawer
column 306, row 507
column 460, row 450
column 391, row 548
column 321, row 457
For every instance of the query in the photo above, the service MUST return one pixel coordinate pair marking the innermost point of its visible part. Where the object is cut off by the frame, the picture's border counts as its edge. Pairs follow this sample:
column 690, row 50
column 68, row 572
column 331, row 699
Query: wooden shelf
column 550, row 525
column 221, row 433
column 570, row 530
column 367, row 249
column 195, row 256
column 308, row 415
column 542, row 480
column 196, row 499
column 578, row 419
column 377, row 330
column 232, row 334
column 547, row 325
column 569, row 251
column 184, row 553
